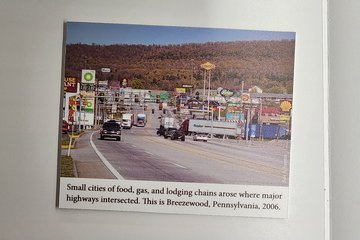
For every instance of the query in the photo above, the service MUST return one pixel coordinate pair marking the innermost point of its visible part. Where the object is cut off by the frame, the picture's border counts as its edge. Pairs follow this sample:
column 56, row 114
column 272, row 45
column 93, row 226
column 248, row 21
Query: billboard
column 70, row 84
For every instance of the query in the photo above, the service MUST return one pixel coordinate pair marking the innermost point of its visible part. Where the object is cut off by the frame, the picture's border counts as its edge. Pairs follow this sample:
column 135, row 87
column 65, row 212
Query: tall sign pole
column 208, row 66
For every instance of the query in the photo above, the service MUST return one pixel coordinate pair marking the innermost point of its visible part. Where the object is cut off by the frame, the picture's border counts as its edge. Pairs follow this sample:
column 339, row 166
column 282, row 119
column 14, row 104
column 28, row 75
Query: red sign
column 70, row 84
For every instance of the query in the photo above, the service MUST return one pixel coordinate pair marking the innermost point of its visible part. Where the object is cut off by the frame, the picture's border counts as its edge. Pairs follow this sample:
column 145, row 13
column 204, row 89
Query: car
column 200, row 137
column 178, row 134
column 174, row 134
column 110, row 129
column 168, row 132
column 65, row 126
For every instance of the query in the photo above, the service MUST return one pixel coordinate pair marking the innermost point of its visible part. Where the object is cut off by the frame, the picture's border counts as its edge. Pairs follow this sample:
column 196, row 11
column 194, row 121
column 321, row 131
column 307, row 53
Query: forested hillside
column 267, row 64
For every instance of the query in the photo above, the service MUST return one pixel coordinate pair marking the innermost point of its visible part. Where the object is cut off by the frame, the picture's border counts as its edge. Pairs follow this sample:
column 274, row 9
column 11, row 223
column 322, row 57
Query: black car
column 110, row 129
column 174, row 134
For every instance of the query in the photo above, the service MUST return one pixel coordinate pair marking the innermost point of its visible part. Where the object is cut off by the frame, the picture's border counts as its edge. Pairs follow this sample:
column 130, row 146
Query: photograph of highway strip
column 177, row 104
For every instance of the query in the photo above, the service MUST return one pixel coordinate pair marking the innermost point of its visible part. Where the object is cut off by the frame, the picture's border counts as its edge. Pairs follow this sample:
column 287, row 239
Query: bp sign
column 88, row 76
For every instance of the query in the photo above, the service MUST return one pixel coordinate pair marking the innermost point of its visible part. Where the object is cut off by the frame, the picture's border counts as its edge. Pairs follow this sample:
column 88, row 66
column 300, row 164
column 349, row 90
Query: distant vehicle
column 192, row 126
column 200, row 137
column 174, row 134
column 110, row 129
column 168, row 122
column 162, row 105
column 65, row 126
column 169, row 131
column 165, row 123
column 141, row 120
column 127, row 120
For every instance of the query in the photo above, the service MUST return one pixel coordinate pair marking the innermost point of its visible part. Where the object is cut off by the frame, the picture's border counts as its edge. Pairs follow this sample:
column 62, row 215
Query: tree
column 137, row 84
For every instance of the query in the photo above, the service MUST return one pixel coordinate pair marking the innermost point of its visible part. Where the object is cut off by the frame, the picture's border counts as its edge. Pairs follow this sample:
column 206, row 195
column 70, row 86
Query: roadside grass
column 67, row 166
column 65, row 139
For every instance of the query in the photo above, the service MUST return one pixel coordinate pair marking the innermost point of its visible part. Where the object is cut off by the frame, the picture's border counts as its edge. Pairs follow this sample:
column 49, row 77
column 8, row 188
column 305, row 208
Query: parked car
column 174, row 134
column 200, row 137
column 65, row 126
column 110, row 129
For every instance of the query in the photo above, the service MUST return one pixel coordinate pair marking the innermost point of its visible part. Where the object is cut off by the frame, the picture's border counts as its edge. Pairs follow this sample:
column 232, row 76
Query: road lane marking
column 223, row 158
column 104, row 160
column 150, row 153
column 133, row 145
column 211, row 153
column 178, row 165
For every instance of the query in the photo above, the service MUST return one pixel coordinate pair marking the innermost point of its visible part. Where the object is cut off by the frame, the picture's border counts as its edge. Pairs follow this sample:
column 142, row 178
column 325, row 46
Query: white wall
column 345, row 118
column 30, row 74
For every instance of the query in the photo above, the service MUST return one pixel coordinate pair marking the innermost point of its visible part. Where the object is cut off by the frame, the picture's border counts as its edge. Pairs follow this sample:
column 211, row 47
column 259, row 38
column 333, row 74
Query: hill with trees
column 267, row 64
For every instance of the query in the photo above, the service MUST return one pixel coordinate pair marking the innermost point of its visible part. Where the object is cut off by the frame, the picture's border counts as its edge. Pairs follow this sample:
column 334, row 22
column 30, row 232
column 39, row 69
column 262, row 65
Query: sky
column 108, row 34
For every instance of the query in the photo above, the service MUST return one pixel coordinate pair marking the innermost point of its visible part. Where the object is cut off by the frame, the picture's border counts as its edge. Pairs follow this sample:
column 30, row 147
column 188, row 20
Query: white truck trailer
column 168, row 122
column 127, row 120
column 214, row 127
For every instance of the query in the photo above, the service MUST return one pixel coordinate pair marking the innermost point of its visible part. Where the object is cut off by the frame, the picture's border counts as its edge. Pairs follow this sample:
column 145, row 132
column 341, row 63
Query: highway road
column 142, row 155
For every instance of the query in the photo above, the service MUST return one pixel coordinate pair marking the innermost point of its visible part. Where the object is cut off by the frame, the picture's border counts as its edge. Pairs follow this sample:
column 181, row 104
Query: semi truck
column 127, row 120
column 168, row 122
column 191, row 126
column 165, row 123
column 141, row 120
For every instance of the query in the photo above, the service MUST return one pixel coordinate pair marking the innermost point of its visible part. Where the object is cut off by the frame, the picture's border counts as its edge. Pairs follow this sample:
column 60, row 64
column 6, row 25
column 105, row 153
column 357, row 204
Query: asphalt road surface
column 142, row 155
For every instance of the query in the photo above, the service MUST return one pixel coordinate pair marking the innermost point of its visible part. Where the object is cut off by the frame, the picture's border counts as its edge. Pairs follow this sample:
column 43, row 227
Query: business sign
column 88, row 76
column 285, row 105
column 73, row 103
column 70, row 84
column 235, row 116
column 187, row 85
column 103, row 83
column 89, row 104
column 105, row 70
column 245, row 98
column 226, row 93
column 180, row 90
column 87, row 87
column 284, row 119
column 207, row 66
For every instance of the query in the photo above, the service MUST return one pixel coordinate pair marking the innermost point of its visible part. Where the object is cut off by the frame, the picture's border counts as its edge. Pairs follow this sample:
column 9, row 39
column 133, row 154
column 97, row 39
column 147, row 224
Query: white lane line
column 150, row 153
column 104, row 160
column 179, row 165
column 133, row 145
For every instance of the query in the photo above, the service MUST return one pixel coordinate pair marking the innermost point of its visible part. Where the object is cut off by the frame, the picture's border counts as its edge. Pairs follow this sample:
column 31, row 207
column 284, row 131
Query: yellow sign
column 207, row 66
column 245, row 97
column 284, row 118
column 180, row 90
column 285, row 106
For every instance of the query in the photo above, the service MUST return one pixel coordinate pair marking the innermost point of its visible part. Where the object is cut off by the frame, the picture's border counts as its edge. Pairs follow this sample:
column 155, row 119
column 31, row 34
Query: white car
column 200, row 137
